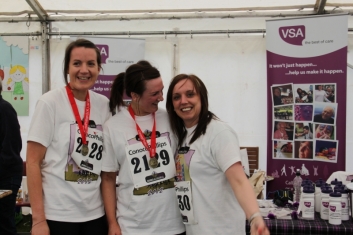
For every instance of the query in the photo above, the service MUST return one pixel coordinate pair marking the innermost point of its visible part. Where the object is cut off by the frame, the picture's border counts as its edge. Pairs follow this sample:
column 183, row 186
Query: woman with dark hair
column 64, row 150
column 138, row 143
column 303, row 96
column 208, row 162
column 116, row 97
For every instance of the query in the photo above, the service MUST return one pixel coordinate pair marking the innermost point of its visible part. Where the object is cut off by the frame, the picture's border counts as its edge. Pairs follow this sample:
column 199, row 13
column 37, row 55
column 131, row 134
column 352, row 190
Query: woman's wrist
column 253, row 216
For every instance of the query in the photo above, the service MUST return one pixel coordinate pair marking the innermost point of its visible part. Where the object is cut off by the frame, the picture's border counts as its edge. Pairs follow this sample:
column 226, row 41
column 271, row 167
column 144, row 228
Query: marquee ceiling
column 74, row 10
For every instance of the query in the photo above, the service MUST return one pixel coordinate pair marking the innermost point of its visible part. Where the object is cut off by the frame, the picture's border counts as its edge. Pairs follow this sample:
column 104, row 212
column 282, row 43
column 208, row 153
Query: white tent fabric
column 232, row 66
column 157, row 5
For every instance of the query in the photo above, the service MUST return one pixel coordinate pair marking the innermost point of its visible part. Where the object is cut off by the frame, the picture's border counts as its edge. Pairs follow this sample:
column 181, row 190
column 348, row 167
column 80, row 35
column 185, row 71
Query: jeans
column 8, row 204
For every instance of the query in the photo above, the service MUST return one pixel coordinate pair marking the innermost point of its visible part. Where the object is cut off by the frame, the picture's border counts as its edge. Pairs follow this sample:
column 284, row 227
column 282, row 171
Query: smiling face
column 277, row 92
column 327, row 113
column 147, row 103
column 83, row 71
column 282, row 127
column 305, row 150
column 186, row 102
column 329, row 91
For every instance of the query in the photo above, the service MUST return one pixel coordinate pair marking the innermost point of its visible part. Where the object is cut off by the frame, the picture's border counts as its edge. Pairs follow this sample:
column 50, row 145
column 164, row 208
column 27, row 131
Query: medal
column 83, row 127
column 153, row 162
column 85, row 149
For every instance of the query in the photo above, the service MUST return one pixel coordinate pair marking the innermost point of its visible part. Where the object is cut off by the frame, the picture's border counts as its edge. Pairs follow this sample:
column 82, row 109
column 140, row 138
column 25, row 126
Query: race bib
column 138, row 159
column 183, row 192
column 92, row 160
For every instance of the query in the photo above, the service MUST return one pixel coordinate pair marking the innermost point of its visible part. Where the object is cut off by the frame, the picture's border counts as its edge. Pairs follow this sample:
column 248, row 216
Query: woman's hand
column 258, row 226
column 114, row 229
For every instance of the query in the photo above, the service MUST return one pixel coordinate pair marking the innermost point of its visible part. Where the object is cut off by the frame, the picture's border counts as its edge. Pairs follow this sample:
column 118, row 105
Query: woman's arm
column 35, row 155
column 108, row 188
column 245, row 195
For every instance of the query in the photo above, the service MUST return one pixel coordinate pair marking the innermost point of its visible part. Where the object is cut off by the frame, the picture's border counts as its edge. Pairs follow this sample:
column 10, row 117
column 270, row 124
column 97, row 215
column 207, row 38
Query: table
column 4, row 193
column 312, row 227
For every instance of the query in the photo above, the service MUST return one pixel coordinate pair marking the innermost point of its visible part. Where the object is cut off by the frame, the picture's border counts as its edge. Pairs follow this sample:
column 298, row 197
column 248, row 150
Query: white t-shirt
column 70, row 194
column 216, row 209
column 320, row 95
column 147, row 210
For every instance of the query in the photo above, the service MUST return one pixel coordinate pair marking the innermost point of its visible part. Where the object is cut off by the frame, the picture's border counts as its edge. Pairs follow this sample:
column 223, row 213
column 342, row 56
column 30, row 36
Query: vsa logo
column 104, row 50
column 293, row 34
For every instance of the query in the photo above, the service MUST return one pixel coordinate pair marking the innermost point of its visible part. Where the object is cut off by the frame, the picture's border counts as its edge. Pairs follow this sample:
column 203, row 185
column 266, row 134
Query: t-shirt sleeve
column 42, row 125
column 109, row 163
column 225, row 149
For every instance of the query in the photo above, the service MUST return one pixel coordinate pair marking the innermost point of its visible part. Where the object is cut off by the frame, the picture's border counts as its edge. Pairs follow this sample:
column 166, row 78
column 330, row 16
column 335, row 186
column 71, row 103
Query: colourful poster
column 307, row 77
column 14, row 72
column 117, row 54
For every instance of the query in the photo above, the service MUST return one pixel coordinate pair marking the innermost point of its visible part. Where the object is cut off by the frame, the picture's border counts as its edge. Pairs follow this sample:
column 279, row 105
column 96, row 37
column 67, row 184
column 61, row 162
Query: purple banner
column 103, row 84
column 307, row 82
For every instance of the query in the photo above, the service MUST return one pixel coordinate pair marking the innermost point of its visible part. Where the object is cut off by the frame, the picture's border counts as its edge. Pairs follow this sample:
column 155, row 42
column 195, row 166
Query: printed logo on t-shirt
column 156, row 188
column 182, row 163
column 74, row 172
column 147, row 134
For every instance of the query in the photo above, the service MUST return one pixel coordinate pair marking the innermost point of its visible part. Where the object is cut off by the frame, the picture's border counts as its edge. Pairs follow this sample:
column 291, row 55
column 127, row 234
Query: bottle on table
column 318, row 185
column 297, row 182
column 334, row 183
column 325, row 202
column 308, row 202
column 335, row 208
column 344, row 202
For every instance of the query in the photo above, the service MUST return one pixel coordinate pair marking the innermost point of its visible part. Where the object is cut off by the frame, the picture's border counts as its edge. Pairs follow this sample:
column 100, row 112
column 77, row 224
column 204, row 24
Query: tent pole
column 45, row 57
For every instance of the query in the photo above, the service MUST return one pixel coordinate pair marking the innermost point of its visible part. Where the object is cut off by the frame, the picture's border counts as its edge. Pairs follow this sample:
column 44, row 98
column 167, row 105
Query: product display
column 308, row 202
column 318, row 185
column 335, row 208
column 325, row 201
column 297, row 182
column 334, row 183
column 344, row 203
column 349, row 187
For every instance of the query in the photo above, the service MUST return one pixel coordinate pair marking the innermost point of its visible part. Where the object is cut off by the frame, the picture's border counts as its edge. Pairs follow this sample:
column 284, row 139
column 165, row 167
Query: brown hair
column 136, row 76
column 79, row 43
column 205, row 117
column 133, row 80
column 117, row 92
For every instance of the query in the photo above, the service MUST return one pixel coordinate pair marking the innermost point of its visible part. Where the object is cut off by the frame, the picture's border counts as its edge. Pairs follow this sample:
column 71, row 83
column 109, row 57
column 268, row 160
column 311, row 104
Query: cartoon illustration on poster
column 14, row 72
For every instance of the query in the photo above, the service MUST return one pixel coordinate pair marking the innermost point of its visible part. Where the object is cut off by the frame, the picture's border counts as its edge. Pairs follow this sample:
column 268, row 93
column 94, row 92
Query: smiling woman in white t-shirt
column 139, row 144
column 64, row 150
column 212, row 189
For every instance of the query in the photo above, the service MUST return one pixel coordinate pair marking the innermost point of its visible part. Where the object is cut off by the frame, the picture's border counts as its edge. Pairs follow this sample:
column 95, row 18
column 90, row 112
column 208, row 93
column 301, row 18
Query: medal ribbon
column 152, row 149
column 83, row 128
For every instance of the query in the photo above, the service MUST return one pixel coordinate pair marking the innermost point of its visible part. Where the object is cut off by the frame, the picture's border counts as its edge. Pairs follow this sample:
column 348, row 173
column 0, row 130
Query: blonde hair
column 19, row 67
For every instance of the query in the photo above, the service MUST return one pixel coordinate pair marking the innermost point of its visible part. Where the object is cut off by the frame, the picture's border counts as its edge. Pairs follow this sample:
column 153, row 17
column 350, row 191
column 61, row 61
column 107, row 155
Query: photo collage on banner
column 306, row 98
column 304, row 122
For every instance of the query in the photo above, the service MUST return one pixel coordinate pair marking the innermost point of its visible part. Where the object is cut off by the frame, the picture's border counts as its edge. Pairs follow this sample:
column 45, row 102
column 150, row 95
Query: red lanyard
column 83, row 128
column 151, row 149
